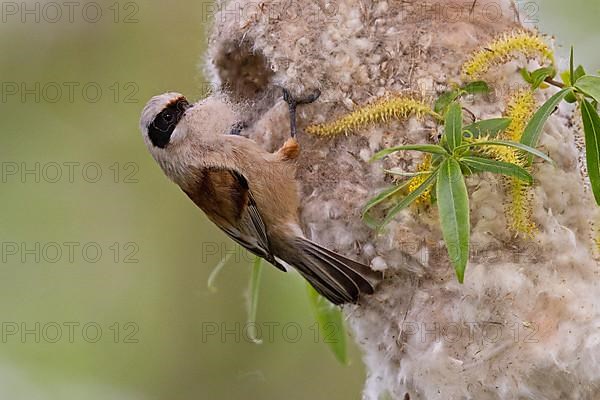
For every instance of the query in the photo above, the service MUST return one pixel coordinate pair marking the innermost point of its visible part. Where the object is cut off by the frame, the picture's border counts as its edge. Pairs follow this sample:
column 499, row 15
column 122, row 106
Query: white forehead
column 154, row 106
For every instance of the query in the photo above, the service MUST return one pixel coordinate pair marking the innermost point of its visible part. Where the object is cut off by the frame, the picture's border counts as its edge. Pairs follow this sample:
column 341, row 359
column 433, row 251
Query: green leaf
column 571, row 68
column 589, row 85
column 466, row 169
column 425, row 148
column 370, row 221
column 573, row 74
column 453, row 126
column 453, row 206
column 579, row 72
column 433, row 195
column 476, row 87
column 591, row 127
column 253, row 299
column 571, row 98
column 566, row 78
column 385, row 194
column 412, row 196
column 538, row 76
column 526, row 75
column 330, row 324
column 488, row 127
column 436, row 159
column 399, row 172
column 516, row 145
column 497, row 167
column 533, row 130
column 442, row 103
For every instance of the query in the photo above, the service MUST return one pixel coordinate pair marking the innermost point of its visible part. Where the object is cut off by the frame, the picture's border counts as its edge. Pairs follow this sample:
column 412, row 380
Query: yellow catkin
column 381, row 111
column 415, row 182
column 519, row 209
column 502, row 153
column 505, row 48
column 520, row 109
column 596, row 237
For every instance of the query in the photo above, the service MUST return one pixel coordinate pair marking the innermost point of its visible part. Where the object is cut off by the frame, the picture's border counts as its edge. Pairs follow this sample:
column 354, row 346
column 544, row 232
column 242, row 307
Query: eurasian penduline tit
column 251, row 194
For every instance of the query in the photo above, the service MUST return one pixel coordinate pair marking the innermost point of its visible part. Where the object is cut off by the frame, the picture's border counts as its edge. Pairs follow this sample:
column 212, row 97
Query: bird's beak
column 184, row 105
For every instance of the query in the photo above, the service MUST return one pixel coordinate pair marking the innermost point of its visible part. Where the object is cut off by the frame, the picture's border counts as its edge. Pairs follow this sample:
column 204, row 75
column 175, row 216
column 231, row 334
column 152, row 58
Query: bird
column 249, row 193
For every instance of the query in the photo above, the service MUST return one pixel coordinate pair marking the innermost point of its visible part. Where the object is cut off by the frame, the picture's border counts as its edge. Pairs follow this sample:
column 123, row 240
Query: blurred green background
column 134, row 321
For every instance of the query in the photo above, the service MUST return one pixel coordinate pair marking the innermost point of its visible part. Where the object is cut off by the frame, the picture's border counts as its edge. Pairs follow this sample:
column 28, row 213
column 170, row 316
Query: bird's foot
column 294, row 102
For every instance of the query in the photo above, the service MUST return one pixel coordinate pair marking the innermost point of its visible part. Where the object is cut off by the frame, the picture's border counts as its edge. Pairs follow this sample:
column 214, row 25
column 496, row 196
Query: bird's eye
column 168, row 117
column 161, row 129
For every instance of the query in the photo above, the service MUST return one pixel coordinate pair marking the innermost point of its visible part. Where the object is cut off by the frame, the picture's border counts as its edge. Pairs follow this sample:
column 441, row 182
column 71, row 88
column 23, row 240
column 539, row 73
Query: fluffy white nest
column 525, row 325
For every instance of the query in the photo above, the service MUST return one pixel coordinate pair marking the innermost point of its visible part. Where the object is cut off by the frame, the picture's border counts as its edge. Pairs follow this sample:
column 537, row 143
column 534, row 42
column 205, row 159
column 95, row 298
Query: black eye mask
column 161, row 129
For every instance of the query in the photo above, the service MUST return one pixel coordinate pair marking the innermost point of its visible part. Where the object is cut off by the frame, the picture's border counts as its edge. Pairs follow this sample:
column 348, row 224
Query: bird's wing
column 225, row 196
column 258, row 225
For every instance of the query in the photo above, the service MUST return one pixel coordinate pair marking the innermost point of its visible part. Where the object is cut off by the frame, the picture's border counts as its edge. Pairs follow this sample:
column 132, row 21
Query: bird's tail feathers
column 338, row 278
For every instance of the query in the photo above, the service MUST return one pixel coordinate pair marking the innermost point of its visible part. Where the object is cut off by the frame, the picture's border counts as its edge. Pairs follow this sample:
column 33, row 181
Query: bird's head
column 161, row 118
column 178, row 134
